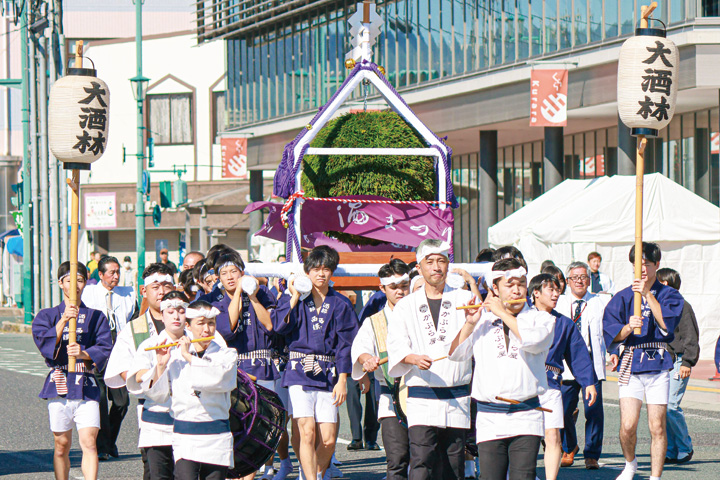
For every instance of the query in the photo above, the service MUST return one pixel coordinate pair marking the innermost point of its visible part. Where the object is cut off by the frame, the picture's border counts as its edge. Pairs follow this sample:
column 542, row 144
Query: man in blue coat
column 73, row 396
column 645, row 360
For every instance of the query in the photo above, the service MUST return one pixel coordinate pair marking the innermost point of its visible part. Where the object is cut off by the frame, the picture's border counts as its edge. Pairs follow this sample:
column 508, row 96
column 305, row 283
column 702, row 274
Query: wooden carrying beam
column 367, row 283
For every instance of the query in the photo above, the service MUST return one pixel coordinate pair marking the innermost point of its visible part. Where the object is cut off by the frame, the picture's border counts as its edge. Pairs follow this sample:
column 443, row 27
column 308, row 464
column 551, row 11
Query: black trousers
column 515, row 456
column 594, row 420
column 160, row 462
column 110, row 421
column 146, row 465
column 355, row 412
column 397, row 448
column 189, row 470
column 436, row 453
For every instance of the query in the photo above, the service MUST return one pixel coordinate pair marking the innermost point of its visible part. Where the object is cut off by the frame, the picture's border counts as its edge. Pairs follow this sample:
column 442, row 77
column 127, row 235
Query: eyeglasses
column 578, row 278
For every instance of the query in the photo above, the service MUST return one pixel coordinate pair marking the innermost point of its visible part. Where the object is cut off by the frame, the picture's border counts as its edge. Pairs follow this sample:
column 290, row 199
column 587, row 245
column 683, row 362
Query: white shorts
column 275, row 386
column 65, row 413
column 552, row 399
column 312, row 403
column 654, row 388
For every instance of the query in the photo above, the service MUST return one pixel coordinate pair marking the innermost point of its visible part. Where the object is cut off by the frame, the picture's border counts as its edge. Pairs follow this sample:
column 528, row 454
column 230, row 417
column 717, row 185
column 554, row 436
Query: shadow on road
column 371, row 468
column 40, row 461
column 30, row 461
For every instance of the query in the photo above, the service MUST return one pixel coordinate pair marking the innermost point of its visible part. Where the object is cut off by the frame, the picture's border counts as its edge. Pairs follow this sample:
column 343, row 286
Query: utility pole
column 34, row 165
column 55, row 184
column 45, row 199
column 139, row 97
column 27, row 291
column 59, row 52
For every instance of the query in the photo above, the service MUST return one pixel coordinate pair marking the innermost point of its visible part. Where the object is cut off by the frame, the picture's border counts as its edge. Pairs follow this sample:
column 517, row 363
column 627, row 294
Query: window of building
column 171, row 118
column 218, row 115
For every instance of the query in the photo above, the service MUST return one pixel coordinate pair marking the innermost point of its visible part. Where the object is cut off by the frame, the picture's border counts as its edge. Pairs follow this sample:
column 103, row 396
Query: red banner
column 234, row 157
column 548, row 98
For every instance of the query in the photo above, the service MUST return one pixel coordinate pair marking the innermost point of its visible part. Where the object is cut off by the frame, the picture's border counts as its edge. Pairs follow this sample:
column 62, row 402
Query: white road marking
column 22, row 361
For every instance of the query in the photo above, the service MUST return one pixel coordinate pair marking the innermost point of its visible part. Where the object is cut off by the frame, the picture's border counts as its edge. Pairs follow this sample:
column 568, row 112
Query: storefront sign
column 234, row 157
column 548, row 98
column 100, row 211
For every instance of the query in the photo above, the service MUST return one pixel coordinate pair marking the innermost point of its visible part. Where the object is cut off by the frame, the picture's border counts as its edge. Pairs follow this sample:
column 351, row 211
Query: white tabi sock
column 285, row 469
column 654, row 478
column 629, row 471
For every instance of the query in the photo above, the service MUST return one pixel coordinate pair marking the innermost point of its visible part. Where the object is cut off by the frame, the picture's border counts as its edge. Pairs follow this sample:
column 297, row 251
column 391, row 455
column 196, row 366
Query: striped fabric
column 255, row 354
column 310, row 362
column 58, row 376
column 550, row 368
column 627, row 358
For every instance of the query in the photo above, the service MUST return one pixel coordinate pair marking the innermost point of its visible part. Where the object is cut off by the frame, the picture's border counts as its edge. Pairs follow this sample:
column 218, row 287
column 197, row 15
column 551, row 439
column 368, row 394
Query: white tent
column 581, row 216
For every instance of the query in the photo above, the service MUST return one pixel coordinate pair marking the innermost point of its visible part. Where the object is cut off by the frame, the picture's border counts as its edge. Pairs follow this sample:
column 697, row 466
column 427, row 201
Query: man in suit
column 119, row 305
column 585, row 309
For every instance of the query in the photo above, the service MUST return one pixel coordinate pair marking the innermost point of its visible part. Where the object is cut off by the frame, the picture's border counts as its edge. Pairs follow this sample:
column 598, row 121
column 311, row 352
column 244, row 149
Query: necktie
column 111, row 315
column 577, row 318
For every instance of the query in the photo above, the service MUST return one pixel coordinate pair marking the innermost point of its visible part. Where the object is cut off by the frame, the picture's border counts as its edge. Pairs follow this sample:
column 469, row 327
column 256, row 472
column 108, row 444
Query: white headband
column 158, row 277
column 414, row 282
column 203, row 312
column 174, row 302
column 426, row 250
column 67, row 275
column 385, row 281
column 508, row 274
column 228, row 264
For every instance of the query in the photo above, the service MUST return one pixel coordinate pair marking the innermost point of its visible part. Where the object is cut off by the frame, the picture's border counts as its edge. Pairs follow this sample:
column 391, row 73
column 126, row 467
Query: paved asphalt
column 26, row 443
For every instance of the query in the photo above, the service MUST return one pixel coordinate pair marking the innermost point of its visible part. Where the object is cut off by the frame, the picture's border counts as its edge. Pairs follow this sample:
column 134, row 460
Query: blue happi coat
column 216, row 294
column 568, row 345
column 328, row 331
column 93, row 336
column 250, row 335
column 617, row 314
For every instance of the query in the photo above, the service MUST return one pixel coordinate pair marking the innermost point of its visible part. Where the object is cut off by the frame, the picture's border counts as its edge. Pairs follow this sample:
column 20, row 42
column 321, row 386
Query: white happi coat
column 516, row 372
column 365, row 343
column 411, row 331
column 200, row 393
column 151, row 434
column 123, row 353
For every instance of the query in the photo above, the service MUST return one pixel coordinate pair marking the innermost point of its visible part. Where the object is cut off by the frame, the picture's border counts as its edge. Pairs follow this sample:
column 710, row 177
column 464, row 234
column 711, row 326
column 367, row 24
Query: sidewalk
column 12, row 320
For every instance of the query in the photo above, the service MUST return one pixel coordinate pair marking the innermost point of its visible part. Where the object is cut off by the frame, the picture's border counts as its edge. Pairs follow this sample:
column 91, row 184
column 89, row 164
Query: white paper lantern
column 78, row 118
column 647, row 81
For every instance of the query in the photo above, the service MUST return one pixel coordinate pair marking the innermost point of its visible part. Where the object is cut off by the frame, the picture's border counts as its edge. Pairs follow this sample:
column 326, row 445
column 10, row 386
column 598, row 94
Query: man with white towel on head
column 510, row 342
column 422, row 327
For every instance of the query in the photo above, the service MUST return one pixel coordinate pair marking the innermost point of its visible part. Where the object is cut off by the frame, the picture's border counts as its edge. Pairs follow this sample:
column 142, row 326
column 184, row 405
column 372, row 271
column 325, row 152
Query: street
column 26, row 443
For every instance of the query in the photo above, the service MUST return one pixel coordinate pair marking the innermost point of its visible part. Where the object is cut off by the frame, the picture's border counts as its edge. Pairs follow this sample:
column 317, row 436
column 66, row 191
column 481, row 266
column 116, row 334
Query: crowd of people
column 453, row 378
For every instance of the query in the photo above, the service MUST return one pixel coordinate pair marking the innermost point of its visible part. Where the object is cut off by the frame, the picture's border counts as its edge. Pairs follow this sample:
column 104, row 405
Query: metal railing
column 216, row 19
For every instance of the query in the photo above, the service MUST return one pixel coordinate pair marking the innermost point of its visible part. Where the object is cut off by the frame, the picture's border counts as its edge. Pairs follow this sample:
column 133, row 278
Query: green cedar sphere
column 394, row 177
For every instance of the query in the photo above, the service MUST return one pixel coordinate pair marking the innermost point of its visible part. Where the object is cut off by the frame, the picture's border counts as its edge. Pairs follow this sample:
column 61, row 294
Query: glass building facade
column 286, row 63
column 296, row 62
column 687, row 151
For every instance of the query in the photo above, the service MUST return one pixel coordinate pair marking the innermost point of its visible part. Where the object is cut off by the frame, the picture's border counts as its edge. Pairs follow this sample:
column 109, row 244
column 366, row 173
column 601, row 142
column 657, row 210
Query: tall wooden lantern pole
column 78, row 123
column 647, row 89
